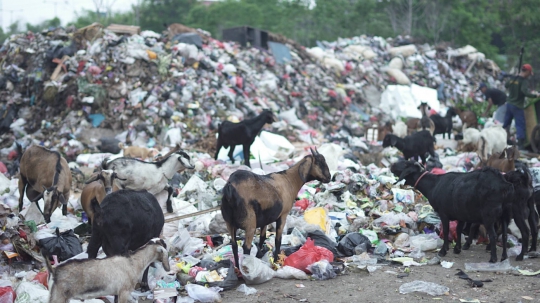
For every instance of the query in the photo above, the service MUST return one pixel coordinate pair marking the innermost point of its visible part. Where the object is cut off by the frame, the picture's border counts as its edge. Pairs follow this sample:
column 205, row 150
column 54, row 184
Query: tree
column 55, row 22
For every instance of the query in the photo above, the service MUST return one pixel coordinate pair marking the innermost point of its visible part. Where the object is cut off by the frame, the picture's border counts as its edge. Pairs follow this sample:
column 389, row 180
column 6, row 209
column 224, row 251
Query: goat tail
column 47, row 262
column 227, row 202
column 19, row 151
column 96, row 208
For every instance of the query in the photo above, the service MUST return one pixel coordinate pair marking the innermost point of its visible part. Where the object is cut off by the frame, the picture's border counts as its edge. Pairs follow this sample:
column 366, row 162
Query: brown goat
column 44, row 174
column 504, row 161
column 412, row 125
column 252, row 201
column 425, row 122
column 468, row 118
column 136, row 151
column 383, row 130
column 97, row 186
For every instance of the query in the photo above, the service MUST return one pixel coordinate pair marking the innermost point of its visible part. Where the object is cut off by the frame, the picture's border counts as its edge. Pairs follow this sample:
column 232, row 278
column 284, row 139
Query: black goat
column 475, row 197
column 417, row 144
column 125, row 220
column 242, row 133
column 442, row 126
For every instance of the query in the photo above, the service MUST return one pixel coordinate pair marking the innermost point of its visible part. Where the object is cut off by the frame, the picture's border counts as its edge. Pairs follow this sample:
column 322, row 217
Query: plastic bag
column 29, row 292
column 246, row 290
column 349, row 242
column 323, row 240
column 255, row 271
column 7, row 295
column 308, row 254
column 64, row 245
column 193, row 247
column 230, row 281
column 318, row 216
column 422, row 286
column 203, row 294
column 322, row 270
column 372, row 236
column 424, row 241
column 288, row 272
column 485, row 266
column 41, row 277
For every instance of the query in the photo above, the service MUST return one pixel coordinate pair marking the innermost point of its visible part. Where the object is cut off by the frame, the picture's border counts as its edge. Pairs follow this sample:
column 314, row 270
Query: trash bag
column 109, row 145
column 349, row 242
column 203, row 294
column 322, row 270
column 7, row 294
column 229, row 282
column 255, row 271
column 64, row 245
column 322, row 240
column 288, row 272
column 308, row 254
column 289, row 250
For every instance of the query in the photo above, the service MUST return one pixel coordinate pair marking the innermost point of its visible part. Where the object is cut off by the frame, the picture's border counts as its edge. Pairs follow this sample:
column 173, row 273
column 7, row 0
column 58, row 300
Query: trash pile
column 82, row 92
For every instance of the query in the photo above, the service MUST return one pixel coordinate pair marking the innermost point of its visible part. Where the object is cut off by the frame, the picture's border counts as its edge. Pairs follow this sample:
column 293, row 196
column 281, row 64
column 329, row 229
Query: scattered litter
column 472, row 283
column 486, row 266
column 246, row 289
column 299, row 285
column 447, row 264
column 528, row 272
column 422, row 286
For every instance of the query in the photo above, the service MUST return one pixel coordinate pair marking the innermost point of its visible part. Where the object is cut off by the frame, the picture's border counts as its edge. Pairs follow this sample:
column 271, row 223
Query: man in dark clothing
column 494, row 97
column 518, row 89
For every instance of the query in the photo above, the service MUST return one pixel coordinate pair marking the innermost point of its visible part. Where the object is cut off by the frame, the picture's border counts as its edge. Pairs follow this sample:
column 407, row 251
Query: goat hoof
column 442, row 253
column 504, row 257
column 493, row 260
column 466, row 246
column 533, row 249
column 457, row 250
column 519, row 258
column 169, row 208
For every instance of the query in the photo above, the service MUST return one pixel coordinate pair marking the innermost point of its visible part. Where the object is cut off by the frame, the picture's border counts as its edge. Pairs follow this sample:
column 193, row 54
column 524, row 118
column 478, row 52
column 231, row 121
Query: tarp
column 280, row 52
column 401, row 101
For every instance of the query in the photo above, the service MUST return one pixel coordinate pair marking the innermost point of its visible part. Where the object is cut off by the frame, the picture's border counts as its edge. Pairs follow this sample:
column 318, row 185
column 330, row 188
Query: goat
column 137, row 151
column 124, row 221
column 492, row 140
column 44, row 174
column 151, row 176
column 425, row 121
column 417, row 144
column 383, row 130
column 471, row 136
column 93, row 278
column 504, row 161
column 400, row 129
column 97, row 186
column 160, row 157
column 468, row 118
column 242, row 133
column 475, row 197
column 412, row 125
column 441, row 125
column 252, row 201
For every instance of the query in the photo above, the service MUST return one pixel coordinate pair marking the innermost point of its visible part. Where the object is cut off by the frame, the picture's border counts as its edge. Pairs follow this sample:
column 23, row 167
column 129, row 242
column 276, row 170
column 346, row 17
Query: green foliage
column 87, row 17
column 55, row 22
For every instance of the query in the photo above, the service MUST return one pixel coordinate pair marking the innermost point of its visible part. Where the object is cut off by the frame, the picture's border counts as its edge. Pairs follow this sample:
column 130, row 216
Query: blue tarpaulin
column 280, row 51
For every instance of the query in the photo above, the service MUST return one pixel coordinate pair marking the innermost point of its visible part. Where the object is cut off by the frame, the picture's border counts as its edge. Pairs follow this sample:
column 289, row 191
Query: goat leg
column 533, row 223
column 144, row 282
column 262, row 238
column 459, row 230
column 250, row 233
column 231, row 153
column 218, row 147
column 490, row 227
column 169, row 202
column 124, row 296
column 280, row 224
column 446, row 231
column 504, row 236
column 473, row 233
column 246, row 154
column 234, row 244
column 22, row 186
column 519, row 218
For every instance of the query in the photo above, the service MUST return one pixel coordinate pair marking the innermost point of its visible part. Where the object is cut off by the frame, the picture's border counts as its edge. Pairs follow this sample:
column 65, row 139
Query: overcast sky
column 36, row 11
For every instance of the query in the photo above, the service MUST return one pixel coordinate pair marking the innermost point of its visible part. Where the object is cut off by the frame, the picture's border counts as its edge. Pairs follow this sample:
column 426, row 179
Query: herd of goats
column 127, row 220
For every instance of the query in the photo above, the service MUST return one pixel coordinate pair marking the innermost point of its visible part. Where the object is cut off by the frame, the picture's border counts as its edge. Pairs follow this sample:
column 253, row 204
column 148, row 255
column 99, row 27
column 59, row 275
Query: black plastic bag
column 322, row 240
column 349, row 242
column 65, row 245
column 230, row 281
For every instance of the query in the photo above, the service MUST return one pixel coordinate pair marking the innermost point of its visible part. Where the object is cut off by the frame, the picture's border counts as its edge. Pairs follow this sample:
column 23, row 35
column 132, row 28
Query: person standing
column 494, row 97
column 517, row 91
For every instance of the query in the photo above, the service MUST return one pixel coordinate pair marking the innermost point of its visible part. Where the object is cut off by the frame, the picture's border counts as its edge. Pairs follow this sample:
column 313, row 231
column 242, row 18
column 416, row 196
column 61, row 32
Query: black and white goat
column 44, row 174
column 93, row 278
column 151, row 176
column 242, row 133
column 252, row 201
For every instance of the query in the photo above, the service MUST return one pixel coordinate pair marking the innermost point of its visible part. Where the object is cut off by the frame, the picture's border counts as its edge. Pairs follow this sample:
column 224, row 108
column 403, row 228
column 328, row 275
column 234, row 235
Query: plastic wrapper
column 422, row 286
column 255, row 271
column 246, row 289
column 322, row 270
column 486, row 266
column 203, row 294
column 288, row 272
column 308, row 254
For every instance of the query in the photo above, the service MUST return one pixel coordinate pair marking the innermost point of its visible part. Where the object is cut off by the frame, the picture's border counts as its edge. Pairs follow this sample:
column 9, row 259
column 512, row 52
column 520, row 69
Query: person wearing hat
column 517, row 91
column 494, row 97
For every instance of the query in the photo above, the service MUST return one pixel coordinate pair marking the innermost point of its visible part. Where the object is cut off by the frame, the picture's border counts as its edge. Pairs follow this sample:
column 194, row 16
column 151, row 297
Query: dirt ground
column 382, row 286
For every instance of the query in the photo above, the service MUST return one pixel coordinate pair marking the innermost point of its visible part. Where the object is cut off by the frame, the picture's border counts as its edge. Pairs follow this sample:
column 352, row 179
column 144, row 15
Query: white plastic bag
column 289, row 272
column 203, row 294
column 255, row 271
column 424, row 242
column 28, row 292
column 246, row 290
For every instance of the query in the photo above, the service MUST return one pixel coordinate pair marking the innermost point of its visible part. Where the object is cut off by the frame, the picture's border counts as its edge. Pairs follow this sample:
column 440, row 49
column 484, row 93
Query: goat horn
column 312, row 151
column 316, row 150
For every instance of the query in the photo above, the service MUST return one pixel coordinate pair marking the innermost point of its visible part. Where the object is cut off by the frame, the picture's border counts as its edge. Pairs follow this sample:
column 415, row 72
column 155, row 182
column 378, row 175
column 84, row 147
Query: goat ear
column 38, row 197
column 62, row 199
column 503, row 154
column 92, row 178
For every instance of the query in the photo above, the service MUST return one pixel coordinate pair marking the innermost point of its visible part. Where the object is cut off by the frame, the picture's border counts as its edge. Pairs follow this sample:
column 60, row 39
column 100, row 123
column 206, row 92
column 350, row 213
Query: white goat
column 400, row 129
column 471, row 136
column 93, row 278
column 492, row 140
column 151, row 176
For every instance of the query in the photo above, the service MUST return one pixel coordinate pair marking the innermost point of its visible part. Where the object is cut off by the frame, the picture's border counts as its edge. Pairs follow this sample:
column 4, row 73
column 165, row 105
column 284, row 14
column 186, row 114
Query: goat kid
column 151, row 176
column 252, row 201
column 415, row 145
column 475, row 197
column 241, row 133
column 44, row 174
column 425, row 122
column 137, row 151
column 94, row 278
column 492, row 140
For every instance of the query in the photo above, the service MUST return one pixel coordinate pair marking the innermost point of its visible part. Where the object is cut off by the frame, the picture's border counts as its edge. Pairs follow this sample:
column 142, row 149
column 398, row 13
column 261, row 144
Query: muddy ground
column 382, row 286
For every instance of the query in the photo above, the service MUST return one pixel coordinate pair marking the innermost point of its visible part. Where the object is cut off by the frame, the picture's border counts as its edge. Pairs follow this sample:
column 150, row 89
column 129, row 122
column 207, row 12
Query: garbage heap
column 59, row 85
